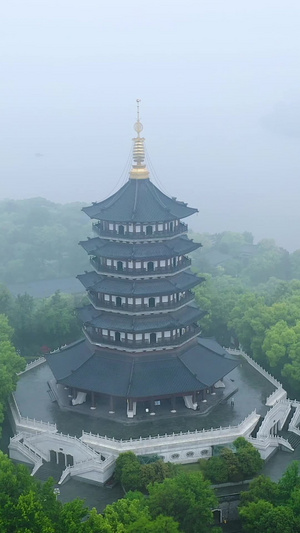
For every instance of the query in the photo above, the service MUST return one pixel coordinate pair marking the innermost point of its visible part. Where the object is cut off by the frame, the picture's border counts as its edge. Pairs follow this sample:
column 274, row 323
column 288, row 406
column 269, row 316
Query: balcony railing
column 139, row 272
column 100, row 303
column 106, row 340
column 142, row 235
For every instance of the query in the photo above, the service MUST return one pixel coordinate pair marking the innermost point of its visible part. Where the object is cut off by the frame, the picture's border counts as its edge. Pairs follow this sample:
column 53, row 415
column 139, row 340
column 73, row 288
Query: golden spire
column 139, row 170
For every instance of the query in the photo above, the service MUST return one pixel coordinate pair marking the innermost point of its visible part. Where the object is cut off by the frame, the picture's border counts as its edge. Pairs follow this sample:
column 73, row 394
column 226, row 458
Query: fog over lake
column 219, row 84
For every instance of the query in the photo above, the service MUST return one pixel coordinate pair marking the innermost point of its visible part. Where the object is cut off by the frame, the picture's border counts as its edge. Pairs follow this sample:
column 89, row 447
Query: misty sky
column 219, row 82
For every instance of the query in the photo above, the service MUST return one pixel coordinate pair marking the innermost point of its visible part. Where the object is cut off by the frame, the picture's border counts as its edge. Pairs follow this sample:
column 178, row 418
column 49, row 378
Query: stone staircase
column 289, row 418
column 256, row 429
column 49, row 469
column 293, row 439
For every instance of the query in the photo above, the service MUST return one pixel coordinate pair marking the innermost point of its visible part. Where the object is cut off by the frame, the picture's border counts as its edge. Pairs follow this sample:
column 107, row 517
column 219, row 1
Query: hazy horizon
column 220, row 105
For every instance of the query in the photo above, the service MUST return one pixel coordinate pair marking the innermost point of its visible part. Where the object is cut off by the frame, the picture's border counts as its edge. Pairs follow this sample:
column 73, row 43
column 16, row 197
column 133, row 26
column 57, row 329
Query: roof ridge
column 130, row 377
column 135, row 198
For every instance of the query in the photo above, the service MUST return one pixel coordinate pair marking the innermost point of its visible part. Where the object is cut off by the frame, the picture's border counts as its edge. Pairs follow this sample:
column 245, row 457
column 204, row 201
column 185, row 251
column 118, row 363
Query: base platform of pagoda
column 93, row 373
column 35, row 402
column 163, row 410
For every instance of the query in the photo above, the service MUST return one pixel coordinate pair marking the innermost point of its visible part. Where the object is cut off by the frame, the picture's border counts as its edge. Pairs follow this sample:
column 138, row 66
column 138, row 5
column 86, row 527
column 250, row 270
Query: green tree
column 56, row 321
column 23, row 320
column 157, row 471
column 10, row 364
column 128, row 471
column 248, row 457
column 6, row 300
column 264, row 516
column 261, row 488
column 188, row 498
column 218, row 297
column 215, row 469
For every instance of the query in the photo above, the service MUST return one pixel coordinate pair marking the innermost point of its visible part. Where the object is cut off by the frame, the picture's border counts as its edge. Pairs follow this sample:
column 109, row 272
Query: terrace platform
column 245, row 384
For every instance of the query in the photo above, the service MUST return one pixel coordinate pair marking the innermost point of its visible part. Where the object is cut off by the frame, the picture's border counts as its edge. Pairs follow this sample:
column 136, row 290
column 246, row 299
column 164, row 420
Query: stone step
column 289, row 418
column 293, row 439
column 49, row 470
column 255, row 430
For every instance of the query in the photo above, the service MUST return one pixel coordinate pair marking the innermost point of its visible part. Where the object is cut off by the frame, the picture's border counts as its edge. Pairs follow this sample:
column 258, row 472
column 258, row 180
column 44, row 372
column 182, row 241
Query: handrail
column 255, row 365
column 32, row 364
column 27, row 422
column 175, row 436
column 62, row 437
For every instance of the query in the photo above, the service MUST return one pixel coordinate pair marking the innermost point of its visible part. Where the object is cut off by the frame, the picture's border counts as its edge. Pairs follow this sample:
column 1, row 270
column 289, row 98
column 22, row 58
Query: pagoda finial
column 139, row 170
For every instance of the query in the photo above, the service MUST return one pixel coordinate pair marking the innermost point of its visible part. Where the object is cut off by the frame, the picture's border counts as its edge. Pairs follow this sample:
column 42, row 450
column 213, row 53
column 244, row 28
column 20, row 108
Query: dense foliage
column 10, row 364
column 230, row 466
column 252, row 300
column 38, row 240
column 273, row 507
column 264, row 321
column 234, row 254
column 40, row 325
column 134, row 475
column 181, row 504
column 188, row 498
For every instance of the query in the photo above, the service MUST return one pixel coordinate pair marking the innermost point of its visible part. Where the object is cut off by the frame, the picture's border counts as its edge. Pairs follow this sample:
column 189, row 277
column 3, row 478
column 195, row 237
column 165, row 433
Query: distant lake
column 47, row 287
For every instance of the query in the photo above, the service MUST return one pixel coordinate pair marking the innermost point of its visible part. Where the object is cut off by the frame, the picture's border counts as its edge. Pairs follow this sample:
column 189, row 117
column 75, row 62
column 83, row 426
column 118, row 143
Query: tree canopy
column 39, row 240
column 272, row 507
column 40, row 324
column 10, row 364
column 30, row 506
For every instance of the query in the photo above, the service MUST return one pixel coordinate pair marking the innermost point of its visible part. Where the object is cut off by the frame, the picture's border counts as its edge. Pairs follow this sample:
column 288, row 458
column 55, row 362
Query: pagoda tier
column 139, row 322
column 139, row 288
column 139, row 201
column 153, row 331
column 132, row 296
column 157, row 375
column 139, row 252
column 136, row 232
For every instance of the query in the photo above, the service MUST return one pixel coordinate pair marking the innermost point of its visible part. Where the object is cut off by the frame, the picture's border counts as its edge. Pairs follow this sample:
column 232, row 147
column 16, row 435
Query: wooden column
column 152, row 407
column 173, row 404
column 93, row 404
column 111, row 405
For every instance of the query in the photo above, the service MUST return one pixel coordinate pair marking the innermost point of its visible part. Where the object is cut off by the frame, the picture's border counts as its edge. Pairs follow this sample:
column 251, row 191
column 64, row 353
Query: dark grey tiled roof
column 207, row 363
column 69, row 359
column 142, row 376
column 131, row 323
column 139, row 201
column 106, row 373
column 150, row 287
column 153, row 250
column 212, row 345
column 166, row 375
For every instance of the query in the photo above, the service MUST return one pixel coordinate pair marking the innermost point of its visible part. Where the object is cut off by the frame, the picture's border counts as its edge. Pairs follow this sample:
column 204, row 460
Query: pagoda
column 141, row 344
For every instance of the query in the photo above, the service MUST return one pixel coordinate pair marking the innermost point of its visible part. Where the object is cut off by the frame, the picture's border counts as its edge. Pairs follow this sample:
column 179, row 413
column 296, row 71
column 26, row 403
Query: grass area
column 191, row 467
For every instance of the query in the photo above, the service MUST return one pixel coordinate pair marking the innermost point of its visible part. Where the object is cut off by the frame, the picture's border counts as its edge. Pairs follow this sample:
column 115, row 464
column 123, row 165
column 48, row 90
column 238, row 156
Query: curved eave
column 139, row 288
column 123, row 375
column 153, row 250
column 139, row 201
column 140, row 324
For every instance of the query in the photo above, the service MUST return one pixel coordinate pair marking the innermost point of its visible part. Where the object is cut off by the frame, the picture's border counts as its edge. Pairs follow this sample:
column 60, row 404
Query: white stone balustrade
column 91, row 470
column 274, row 419
column 266, row 445
column 293, row 425
column 28, row 424
column 177, row 447
column 276, row 396
column 255, row 365
column 37, row 362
